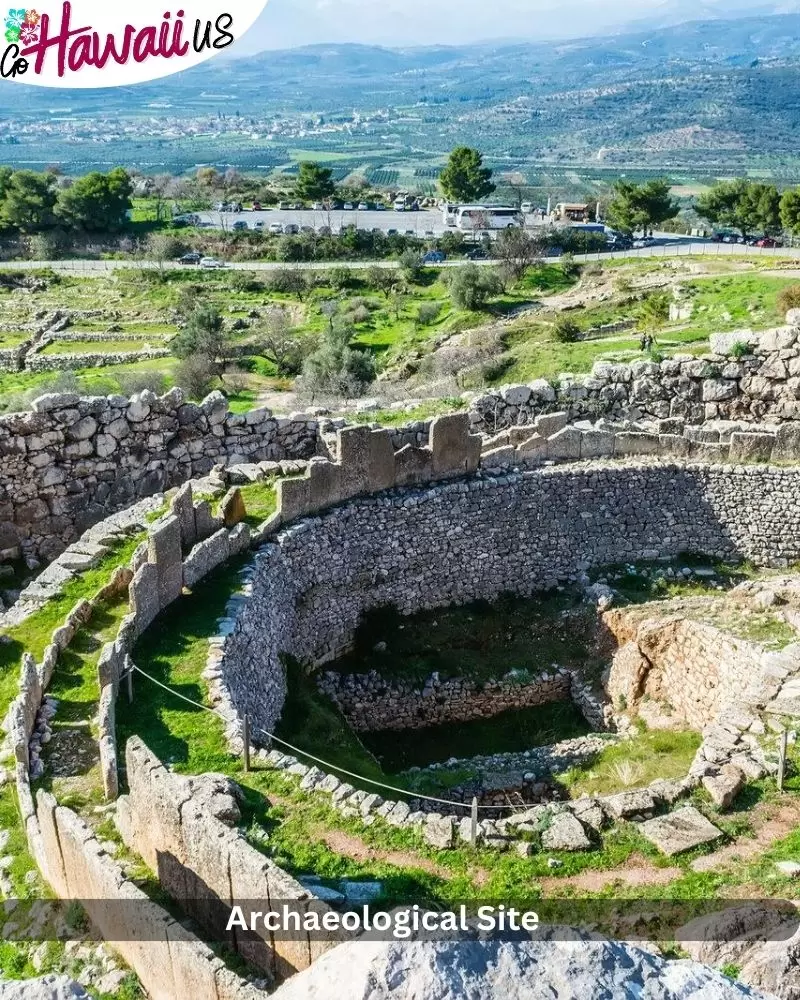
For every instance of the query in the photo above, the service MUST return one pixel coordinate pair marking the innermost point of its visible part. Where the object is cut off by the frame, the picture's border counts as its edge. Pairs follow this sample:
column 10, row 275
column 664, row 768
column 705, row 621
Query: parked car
column 211, row 262
column 189, row 258
column 298, row 206
column 259, row 224
column 283, row 206
column 434, row 257
column 256, row 206
column 391, row 232
column 380, row 207
column 363, row 206
column 306, row 229
column 526, row 207
column 291, row 229
column 348, row 206
column 429, row 234
column 409, row 232
column 318, row 206
column 324, row 231
column 276, row 228
column 240, row 224
column 477, row 253
column 768, row 241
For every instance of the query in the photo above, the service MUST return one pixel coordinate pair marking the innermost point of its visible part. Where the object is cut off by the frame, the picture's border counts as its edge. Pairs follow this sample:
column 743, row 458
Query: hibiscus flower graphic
column 15, row 19
column 28, row 34
column 12, row 34
column 32, row 17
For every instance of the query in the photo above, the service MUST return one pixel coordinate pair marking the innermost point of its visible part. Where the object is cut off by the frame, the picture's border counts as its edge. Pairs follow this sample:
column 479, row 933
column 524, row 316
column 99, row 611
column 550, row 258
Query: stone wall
column 464, row 540
column 36, row 361
column 73, row 461
column 370, row 702
column 184, row 829
column 761, row 383
column 688, row 667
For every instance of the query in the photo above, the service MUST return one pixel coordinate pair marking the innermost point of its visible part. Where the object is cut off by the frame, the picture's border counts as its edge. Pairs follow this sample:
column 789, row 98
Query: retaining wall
column 460, row 541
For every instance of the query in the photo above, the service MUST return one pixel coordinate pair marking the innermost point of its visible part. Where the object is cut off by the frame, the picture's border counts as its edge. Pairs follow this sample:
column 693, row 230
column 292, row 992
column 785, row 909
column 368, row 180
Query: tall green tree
column 742, row 204
column 203, row 336
column 97, row 202
column 465, row 179
column 28, row 202
column 640, row 206
column 790, row 209
column 314, row 182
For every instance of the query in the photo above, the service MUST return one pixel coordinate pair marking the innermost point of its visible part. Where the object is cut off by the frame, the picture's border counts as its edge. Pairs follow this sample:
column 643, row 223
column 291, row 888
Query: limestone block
column 636, row 443
column 413, row 466
column 787, row 443
column 680, row 830
column 144, row 596
column 164, row 549
column 182, row 506
column 565, row 444
column 232, row 509
column 456, row 452
column 596, row 444
column 565, row 833
column 751, row 447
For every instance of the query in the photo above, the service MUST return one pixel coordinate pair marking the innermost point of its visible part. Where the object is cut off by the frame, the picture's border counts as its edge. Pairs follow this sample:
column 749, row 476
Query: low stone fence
column 749, row 376
column 35, row 361
column 372, row 703
column 12, row 358
column 551, row 438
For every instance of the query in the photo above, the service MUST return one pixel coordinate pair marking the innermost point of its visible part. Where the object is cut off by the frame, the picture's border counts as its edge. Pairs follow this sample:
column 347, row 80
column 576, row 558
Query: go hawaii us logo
column 87, row 44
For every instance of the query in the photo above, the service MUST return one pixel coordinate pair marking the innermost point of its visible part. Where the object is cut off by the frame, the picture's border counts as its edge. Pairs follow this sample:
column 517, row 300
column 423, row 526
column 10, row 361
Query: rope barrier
column 319, row 760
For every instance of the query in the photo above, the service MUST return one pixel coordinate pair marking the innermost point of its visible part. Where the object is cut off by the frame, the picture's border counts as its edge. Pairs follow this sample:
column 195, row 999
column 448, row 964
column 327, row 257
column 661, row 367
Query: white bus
column 478, row 218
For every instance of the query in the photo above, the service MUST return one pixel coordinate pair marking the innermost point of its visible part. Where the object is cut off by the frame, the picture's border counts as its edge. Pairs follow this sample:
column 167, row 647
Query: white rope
column 318, row 760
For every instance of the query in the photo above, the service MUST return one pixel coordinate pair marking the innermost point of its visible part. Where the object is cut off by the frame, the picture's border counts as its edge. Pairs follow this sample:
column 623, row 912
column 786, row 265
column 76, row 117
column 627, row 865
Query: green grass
column 481, row 640
column 396, row 418
column 35, row 633
column 260, row 501
column 634, row 763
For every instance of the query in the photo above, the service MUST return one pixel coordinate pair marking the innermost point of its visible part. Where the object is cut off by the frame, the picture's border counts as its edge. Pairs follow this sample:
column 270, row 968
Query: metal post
column 782, row 758
column 129, row 679
column 246, row 736
column 473, row 824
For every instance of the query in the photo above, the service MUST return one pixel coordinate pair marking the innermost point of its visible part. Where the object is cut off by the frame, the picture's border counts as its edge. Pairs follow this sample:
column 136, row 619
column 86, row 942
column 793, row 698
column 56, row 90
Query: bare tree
column 517, row 252
column 283, row 344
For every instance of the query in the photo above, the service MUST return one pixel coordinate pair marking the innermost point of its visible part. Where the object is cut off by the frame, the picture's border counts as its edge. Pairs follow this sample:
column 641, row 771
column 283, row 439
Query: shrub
column 568, row 266
column 789, row 298
column 472, row 286
column 196, row 374
column 566, row 330
column 411, row 266
column 740, row 349
column 428, row 313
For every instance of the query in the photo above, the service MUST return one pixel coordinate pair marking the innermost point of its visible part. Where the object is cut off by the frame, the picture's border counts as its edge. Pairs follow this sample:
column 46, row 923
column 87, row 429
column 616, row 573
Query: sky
column 290, row 23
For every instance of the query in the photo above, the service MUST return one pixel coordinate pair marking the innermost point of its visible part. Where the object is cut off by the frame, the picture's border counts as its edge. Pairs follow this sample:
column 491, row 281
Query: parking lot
column 421, row 224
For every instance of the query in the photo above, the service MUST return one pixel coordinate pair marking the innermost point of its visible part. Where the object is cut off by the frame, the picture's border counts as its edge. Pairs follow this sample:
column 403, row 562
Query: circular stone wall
column 476, row 538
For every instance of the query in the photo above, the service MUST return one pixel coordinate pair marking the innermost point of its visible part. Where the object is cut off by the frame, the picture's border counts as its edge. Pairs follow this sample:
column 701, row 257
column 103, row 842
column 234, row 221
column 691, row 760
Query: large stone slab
column 565, row 833
column 680, row 830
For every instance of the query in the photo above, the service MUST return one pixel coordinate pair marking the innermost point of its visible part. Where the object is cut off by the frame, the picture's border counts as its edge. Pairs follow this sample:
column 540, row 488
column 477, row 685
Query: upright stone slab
column 164, row 549
column 144, row 597
column 412, row 466
column 182, row 507
column 205, row 522
column 456, row 452
column 231, row 508
column 366, row 458
column 751, row 447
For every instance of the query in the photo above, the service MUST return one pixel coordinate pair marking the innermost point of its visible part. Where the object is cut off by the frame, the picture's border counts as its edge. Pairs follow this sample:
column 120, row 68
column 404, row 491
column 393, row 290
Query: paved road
column 683, row 249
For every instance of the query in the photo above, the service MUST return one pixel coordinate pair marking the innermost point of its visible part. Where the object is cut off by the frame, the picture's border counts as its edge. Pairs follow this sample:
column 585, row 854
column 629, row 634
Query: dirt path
column 637, row 871
column 771, row 821
column 354, row 847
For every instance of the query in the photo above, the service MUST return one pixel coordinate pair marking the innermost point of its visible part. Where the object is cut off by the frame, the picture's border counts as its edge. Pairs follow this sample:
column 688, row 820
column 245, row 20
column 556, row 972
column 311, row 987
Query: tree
column 789, row 209
column 314, row 182
column 337, row 369
column 97, row 202
column 283, row 344
column 517, row 252
column 566, row 330
column 203, row 336
column 196, row 374
column 743, row 205
column 161, row 247
column 654, row 311
column 411, row 266
column 29, row 201
column 465, row 179
column 471, row 286
column 380, row 278
column 640, row 206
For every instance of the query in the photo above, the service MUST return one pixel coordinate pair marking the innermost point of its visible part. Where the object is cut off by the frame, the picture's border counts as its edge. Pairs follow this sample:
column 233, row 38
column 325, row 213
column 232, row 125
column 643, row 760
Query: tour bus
column 473, row 218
